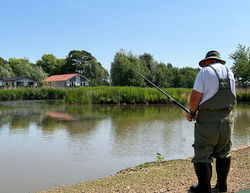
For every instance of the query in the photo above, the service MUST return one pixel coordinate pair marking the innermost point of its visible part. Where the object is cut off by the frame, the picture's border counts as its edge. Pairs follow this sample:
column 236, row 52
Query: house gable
column 67, row 80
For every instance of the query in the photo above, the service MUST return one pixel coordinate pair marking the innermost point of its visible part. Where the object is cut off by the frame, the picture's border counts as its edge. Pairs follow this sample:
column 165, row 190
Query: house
column 67, row 80
column 18, row 82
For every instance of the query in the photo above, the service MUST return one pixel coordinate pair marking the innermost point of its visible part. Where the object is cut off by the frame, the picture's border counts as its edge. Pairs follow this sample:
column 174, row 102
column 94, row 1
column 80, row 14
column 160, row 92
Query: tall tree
column 22, row 67
column 84, row 63
column 241, row 65
column 121, row 74
column 163, row 76
column 5, row 69
column 50, row 64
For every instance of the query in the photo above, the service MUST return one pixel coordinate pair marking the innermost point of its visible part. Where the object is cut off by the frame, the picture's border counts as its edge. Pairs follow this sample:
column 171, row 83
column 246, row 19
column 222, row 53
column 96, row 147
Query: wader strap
column 215, row 72
column 227, row 72
column 218, row 74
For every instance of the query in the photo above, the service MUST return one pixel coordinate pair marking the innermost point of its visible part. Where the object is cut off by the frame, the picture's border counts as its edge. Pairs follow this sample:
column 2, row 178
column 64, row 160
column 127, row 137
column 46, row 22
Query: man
column 213, row 98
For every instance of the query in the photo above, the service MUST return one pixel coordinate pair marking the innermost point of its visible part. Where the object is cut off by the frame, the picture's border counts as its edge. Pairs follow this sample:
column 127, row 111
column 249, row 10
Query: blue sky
column 175, row 31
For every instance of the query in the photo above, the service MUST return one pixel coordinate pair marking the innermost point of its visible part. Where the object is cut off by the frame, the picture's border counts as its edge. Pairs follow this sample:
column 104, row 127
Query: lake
column 44, row 144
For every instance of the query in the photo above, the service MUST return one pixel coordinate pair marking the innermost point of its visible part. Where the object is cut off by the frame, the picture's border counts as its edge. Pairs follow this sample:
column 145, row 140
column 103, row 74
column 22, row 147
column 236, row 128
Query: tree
column 121, row 74
column 22, row 67
column 5, row 69
column 149, row 66
column 50, row 64
column 82, row 62
column 187, row 76
column 241, row 65
column 160, row 74
column 163, row 76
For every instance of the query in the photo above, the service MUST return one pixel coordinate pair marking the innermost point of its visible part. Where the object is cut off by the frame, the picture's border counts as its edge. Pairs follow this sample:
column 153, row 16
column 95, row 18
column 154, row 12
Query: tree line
column 83, row 62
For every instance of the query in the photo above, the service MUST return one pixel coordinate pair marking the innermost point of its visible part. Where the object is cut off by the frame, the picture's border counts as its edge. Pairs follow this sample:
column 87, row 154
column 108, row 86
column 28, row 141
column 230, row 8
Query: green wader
column 213, row 130
column 214, row 124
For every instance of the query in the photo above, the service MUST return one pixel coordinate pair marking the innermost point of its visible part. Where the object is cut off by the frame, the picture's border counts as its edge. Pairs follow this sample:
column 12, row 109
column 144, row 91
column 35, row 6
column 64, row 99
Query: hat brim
column 201, row 63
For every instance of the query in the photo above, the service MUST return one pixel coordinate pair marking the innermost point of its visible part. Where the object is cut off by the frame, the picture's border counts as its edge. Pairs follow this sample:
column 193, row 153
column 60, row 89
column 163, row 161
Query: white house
column 67, row 80
column 18, row 82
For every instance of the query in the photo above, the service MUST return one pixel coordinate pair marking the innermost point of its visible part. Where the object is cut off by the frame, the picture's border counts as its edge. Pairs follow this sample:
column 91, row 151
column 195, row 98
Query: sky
column 179, row 32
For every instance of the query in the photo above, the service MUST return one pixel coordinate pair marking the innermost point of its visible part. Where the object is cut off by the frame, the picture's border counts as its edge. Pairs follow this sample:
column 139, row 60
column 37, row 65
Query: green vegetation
column 159, row 158
column 131, row 95
column 97, row 95
column 32, row 94
column 241, row 66
column 157, row 72
column 243, row 95
column 106, row 95
column 76, row 62
column 83, row 62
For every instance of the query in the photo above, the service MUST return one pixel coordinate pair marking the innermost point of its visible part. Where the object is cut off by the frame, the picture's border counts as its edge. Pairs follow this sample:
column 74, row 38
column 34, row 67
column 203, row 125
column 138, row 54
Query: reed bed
column 106, row 95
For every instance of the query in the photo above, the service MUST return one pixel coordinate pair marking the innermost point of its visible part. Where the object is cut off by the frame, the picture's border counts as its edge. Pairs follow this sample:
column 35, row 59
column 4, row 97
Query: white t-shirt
column 207, row 82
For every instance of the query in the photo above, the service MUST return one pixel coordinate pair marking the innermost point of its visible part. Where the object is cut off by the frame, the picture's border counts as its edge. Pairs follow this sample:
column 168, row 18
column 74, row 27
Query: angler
column 213, row 97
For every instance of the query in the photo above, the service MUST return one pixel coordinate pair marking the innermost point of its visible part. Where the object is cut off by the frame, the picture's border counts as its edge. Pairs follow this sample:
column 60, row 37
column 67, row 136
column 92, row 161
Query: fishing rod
column 169, row 97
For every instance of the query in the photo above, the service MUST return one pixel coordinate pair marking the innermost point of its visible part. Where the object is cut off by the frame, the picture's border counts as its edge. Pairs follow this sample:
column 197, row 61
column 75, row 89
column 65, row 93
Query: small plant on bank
column 159, row 158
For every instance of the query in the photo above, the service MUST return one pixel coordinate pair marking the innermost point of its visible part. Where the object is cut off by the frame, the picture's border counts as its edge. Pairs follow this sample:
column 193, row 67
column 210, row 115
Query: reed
column 107, row 95
column 32, row 94
column 243, row 94
column 122, row 95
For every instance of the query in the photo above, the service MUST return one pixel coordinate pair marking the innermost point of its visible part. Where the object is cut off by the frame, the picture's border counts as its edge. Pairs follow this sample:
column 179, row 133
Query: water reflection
column 67, row 144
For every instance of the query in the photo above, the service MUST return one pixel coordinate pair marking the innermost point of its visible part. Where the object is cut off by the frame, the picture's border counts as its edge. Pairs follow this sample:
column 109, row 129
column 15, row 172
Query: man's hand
column 195, row 99
column 191, row 116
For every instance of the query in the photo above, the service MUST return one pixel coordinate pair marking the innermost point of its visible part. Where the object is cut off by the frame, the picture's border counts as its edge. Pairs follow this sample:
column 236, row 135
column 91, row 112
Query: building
column 67, row 80
column 17, row 82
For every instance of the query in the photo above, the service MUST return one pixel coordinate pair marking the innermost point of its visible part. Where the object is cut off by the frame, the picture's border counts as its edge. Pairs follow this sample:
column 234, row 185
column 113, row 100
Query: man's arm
column 195, row 100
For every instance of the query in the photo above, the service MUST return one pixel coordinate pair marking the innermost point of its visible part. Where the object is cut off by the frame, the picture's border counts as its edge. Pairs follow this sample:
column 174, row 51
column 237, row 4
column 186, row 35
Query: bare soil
column 174, row 176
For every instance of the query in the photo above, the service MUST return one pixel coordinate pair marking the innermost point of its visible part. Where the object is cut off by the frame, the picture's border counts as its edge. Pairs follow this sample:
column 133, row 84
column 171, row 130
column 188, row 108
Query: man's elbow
column 196, row 96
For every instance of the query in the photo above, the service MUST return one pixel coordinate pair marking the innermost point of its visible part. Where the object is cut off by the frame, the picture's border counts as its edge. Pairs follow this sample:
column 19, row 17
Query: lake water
column 48, row 144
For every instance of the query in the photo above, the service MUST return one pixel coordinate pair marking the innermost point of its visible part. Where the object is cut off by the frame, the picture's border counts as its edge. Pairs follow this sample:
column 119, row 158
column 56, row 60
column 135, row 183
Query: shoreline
column 167, row 176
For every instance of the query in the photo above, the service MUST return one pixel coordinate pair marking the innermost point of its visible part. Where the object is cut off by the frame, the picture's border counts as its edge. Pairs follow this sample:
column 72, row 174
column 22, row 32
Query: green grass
column 243, row 95
column 106, row 95
column 31, row 94
column 121, row 95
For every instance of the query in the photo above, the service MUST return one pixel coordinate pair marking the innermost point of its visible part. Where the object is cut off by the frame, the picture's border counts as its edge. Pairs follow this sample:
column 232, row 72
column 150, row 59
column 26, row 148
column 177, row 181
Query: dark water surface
column 47, row 144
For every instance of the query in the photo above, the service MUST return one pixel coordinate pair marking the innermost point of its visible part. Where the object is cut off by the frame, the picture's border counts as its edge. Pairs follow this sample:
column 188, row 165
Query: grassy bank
column 173, row 176
column 130, row 95
column 106, row 94
column 97, row 95
column 243, row 95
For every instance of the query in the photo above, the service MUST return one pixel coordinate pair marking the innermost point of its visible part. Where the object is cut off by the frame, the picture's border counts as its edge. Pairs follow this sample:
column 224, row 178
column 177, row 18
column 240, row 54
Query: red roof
column 57, row 78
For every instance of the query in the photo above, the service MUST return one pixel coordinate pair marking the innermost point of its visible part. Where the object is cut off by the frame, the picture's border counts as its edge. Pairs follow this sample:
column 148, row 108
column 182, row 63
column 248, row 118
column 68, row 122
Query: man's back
column 208, row 83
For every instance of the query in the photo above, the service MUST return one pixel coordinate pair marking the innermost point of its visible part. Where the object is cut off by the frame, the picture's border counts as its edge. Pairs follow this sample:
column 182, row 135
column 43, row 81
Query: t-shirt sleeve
column 199, row 82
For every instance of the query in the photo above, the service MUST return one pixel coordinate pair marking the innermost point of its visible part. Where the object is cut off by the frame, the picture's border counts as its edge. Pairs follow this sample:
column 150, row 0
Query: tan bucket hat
column 212, row 55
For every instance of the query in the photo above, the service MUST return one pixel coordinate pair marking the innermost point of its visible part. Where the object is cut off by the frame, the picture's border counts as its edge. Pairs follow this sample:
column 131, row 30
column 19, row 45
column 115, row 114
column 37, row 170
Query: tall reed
column 106, row 94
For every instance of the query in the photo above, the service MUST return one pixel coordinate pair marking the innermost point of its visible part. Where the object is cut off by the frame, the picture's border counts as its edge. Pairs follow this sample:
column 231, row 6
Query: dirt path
column 174, row 176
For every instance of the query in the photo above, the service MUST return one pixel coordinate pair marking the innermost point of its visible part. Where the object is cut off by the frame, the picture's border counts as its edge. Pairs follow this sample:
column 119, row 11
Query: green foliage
column 159, row 157
column 160, row 74
column 106, row 94
column 121, row 95
column 50, row 64
column 5, row 69
column 22, row 67
column 241, row 65
column 32, row 94
column 243, row 95
column 121, row 74
column 84, row 63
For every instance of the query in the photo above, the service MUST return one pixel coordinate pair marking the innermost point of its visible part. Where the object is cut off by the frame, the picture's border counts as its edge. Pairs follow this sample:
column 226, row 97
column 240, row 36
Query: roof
column 16, row 78
column 62, row 77
column 57, row 78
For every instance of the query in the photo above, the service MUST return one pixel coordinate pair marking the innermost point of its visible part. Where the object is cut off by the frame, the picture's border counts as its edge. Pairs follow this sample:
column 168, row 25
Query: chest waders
column 213, row 130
